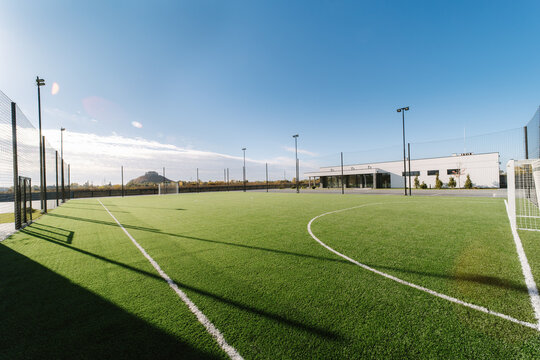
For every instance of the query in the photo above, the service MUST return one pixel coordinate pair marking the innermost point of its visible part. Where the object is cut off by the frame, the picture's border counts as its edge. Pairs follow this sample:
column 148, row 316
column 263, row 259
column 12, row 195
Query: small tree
column 452, row 182
column 468, row 182
column 438, row 182
column 416, row 182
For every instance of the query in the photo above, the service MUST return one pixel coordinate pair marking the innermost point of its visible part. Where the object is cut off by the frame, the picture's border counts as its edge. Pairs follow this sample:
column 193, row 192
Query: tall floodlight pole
column 62, row 162
column 296, row 157
column 244, row 168
column 402, row 111
column 40, row 83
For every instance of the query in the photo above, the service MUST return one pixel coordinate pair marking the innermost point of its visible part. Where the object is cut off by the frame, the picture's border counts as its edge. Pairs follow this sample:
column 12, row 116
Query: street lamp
column 402, row 111
column 40, row 83
column 244, row 169
column 296, row 157
column 62, row 161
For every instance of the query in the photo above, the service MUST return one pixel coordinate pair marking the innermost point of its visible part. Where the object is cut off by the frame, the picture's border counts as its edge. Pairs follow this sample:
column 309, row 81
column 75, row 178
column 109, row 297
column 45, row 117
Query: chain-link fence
column 30, row 170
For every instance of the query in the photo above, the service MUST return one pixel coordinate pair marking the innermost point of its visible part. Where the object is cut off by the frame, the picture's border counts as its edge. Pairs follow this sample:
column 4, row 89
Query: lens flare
column 55, row 88
column 137, row 124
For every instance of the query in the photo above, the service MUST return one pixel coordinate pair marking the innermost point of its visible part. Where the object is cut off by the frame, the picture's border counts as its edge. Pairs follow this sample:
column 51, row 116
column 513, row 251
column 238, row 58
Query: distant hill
column 151, row 177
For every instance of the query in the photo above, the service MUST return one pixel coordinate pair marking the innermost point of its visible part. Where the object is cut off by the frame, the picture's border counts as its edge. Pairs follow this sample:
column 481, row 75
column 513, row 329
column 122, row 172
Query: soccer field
column 418, row 277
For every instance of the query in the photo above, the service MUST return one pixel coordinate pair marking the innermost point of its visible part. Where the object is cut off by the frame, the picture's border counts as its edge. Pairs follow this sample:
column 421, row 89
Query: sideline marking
column 418, row 287
column 210, row 328
column 526, row 269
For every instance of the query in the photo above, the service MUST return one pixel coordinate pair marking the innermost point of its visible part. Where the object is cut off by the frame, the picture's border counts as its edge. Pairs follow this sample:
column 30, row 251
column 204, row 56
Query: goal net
column 523, row 178
column 168, row 188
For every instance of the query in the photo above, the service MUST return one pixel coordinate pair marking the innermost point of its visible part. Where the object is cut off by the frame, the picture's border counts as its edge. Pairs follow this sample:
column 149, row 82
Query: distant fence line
column 85, row 193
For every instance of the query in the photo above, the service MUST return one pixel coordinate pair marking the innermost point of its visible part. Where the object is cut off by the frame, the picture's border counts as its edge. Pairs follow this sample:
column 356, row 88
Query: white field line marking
column 418, row 287
column 526, row 269
column 211, row 328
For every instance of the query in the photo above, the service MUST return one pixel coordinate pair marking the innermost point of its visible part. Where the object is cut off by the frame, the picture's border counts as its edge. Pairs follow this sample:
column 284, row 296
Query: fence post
column 342, row 183
column 526, row 142
column 122, row 181
column 16, row 193
column 44, row 176
column 62, row 175
column 69, row 183
column 266, row 177
column 57, row 193
column 410, row 186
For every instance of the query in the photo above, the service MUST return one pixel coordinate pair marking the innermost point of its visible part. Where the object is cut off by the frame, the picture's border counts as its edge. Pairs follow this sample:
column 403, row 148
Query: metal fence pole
column 342, row 183
column 16, row 193
column 197, row 179
column 526, row 142
column 44, row 175
column 122, row 181
column 57, row 193
column 69, row 183
column 62, row 175
column 409, row 154
column 266, row 177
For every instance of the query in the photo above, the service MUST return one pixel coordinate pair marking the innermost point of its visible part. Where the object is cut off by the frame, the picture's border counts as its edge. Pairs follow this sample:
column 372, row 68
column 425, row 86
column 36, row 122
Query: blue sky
column 215, row 76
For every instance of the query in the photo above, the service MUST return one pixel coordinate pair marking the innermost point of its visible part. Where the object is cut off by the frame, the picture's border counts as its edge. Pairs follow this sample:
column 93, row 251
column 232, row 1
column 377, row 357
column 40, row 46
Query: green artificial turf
column 75, row 286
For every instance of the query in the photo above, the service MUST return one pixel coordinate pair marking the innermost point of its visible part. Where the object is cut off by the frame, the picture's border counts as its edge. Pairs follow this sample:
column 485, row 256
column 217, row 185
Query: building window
column 452, row 172
column 413, row 173
column 433, row 172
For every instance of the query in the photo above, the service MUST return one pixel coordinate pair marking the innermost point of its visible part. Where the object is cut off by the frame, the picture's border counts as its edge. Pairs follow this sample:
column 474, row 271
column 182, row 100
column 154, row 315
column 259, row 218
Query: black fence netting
column 29, row 168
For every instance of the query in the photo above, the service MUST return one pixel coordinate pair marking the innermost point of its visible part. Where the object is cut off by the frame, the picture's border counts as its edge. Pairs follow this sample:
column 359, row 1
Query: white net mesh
column 523, row 193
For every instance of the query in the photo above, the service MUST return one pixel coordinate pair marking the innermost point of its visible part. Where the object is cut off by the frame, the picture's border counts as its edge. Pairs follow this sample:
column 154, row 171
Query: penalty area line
column 414, row 286
column 210, row 327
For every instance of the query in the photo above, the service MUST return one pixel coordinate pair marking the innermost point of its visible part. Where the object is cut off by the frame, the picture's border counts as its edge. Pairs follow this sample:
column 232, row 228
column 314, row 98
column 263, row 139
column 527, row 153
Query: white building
column 483, row 170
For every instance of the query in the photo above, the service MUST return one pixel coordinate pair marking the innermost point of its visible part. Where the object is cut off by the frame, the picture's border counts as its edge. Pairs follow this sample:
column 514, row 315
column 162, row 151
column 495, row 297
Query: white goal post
column 523, row 181
column 165, row 189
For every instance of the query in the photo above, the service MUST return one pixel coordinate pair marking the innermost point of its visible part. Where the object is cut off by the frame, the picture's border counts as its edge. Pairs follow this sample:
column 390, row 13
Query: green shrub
column 452, row 182
column 438, row 182
column 423, row 185
column 468, row 183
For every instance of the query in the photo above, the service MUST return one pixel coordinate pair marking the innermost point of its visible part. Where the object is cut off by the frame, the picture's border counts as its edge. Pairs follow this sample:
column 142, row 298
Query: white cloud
column 136, row 124
column 300, row 151
column 96, row 157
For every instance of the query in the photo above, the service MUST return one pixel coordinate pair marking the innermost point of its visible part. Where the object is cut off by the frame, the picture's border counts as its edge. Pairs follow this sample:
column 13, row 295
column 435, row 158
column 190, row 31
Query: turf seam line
column 403, row 282
column 525, row 268
column 210, row 327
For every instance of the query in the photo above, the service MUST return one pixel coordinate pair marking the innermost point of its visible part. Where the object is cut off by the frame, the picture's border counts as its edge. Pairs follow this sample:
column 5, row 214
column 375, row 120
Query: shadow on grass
column 46, row 316
column 275, row 317
column 480, row 279
column 251, row 247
